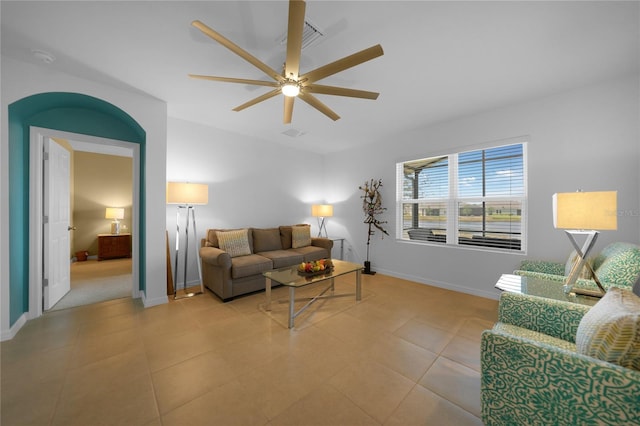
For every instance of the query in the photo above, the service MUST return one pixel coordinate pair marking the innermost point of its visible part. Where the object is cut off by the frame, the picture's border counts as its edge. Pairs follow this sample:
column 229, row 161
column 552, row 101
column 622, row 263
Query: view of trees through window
column 470, row 198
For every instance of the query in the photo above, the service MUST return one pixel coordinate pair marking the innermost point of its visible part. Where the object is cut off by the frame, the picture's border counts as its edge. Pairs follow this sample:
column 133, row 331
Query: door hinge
column 45, row 155
column 45, row 219
column 45, row 282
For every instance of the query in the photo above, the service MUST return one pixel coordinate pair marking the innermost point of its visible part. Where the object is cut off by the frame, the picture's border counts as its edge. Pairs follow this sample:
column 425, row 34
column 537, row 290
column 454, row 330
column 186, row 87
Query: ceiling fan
column 290, row 83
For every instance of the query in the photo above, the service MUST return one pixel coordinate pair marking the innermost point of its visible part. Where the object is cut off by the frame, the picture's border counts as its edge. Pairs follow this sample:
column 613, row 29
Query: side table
column 341, row 239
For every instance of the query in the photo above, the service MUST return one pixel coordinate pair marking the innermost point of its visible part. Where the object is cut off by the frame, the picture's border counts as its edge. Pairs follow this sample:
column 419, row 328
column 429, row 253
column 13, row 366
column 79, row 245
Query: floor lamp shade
column 586, row 210
column 322, row 210
column 187, row 193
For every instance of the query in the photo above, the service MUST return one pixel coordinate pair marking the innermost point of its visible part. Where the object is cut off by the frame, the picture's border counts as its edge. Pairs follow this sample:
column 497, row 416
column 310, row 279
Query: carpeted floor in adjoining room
column 95, row 281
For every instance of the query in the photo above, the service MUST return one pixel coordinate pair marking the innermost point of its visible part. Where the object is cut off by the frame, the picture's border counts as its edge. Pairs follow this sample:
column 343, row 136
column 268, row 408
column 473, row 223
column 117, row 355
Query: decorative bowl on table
column 315, row 267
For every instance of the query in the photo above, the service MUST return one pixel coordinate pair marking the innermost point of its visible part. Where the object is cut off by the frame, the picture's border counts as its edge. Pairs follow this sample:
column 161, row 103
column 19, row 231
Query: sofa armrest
column 555, row 318
column 553, row 268
column 325, row 243
column 527, row 382
column 580, row 282
column 215, row 257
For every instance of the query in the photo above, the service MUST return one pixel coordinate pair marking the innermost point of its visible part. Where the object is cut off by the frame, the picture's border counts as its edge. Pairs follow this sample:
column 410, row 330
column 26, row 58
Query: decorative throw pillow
column 236, row 243
column 300, row 236
column 610, row 330
column 572, row 260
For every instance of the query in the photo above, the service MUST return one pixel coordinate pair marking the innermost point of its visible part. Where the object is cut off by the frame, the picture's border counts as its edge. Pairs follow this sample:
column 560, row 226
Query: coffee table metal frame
column 290, row 277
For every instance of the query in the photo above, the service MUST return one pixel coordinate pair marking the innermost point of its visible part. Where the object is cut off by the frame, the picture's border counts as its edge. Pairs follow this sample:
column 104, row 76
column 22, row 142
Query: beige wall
column 100, row 181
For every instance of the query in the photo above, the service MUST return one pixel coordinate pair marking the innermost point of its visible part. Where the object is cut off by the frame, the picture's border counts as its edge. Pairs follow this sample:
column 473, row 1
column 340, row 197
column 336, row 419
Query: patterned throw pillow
column 236, row 243
column 300, row 236
column 610, row 331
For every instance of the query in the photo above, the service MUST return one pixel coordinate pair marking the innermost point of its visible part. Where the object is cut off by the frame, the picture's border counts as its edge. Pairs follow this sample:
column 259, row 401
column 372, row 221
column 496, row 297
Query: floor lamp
column 583, row 214
column 322, row 211
column 186, row 196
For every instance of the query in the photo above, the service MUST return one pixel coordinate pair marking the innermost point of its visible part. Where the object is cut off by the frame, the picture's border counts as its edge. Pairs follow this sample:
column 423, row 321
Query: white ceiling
column 442, row 59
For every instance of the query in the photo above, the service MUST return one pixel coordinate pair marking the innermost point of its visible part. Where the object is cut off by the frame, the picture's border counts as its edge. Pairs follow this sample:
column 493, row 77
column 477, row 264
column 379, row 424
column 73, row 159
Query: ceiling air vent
column 310, row 34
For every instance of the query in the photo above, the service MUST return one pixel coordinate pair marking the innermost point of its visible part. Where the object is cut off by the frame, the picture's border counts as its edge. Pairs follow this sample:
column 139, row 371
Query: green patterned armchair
column 618, row 264
column 533, row 374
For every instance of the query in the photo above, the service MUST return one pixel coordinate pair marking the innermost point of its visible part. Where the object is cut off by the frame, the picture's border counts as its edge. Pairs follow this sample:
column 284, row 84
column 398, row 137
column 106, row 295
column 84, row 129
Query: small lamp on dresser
column 115, row 213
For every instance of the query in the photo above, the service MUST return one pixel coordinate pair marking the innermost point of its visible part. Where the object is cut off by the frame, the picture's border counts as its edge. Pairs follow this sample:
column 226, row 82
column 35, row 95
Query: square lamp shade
column 187, row 193
column 114, row 213
column 586, row 210
column 322, row 210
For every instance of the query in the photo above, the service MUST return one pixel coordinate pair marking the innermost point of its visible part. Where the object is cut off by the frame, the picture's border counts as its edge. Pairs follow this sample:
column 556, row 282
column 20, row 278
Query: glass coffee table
column 290, row 277
column 542, row 288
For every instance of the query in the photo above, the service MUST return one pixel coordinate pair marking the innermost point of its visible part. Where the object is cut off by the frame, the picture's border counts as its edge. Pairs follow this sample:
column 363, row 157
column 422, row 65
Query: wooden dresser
column 112, row 246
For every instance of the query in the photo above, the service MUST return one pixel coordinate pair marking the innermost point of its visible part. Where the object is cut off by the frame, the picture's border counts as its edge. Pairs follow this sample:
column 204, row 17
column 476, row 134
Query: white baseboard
column 147, row 303
column 448, row 286
column 11, row 333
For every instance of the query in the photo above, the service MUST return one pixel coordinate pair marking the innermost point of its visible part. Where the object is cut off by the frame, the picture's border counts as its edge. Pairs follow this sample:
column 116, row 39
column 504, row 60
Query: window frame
column 454, row 199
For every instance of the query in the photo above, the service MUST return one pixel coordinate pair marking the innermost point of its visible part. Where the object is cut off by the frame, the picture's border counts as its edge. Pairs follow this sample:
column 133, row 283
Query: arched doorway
column 64, row 112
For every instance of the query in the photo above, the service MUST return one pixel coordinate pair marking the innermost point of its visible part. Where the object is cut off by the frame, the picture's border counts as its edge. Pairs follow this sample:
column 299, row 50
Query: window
column 473, row 198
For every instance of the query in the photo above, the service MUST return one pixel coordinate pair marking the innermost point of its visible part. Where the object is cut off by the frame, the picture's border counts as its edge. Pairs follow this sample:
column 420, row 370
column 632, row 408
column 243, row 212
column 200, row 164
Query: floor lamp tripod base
column 191, row 210
column 367, row 268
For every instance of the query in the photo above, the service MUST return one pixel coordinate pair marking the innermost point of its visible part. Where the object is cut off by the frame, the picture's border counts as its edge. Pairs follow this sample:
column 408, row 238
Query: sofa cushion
column 300, row 236
column 266, row 239
column 610, row 330
column 621, row 265
column 311, row 253
column 236, row 243
column 252, row 264
column 282, row 258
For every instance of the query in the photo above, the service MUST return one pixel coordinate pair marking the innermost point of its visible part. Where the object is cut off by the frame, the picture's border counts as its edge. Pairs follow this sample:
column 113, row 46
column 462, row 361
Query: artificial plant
column 372, row 206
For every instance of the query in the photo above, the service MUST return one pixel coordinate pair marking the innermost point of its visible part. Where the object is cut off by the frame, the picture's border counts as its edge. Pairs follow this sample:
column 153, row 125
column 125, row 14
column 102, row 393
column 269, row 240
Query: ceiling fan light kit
column 290, row 88
column 289, row 83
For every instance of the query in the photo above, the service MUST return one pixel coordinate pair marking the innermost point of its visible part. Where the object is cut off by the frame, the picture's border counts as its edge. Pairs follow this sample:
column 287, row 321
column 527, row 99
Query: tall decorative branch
column 372, row 206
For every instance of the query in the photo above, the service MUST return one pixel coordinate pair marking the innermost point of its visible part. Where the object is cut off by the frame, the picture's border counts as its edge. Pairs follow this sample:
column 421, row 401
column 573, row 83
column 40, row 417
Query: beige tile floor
column 407, row 354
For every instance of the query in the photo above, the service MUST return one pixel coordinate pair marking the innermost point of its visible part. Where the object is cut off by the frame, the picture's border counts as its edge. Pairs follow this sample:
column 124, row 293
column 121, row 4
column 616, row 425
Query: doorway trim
column 37, row 136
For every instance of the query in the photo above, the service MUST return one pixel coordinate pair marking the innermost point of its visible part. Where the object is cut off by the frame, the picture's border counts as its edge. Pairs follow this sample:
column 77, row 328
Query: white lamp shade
column 322, row 210
column 114, row 213
column 187, row 193
column 586, row 210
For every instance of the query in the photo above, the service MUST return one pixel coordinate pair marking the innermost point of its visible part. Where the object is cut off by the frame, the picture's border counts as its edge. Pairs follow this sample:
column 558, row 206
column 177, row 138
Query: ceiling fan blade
column 343, row 64
column 238, row 50
column 236, row 80
column 315, row 102
column 294, row 38
column 259, row 99
column 288, row 109
column 340, row 91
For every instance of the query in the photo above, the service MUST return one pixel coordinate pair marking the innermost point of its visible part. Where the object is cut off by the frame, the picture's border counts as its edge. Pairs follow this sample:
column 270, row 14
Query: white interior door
column 57, row 206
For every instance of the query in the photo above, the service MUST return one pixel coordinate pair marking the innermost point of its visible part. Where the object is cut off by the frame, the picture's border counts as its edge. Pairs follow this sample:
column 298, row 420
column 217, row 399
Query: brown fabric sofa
column 271, row 248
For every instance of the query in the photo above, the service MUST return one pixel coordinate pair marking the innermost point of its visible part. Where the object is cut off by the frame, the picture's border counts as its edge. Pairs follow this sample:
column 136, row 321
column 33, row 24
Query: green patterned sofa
column 532, row 373
column 618, row 264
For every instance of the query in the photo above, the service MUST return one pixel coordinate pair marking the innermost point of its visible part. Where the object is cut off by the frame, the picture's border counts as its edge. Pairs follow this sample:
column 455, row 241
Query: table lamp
column 584, row 214
column 115, row 213
column 322, row 211
column 186, row 195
